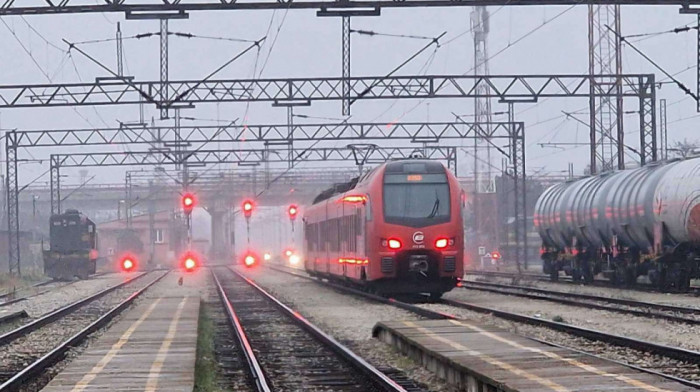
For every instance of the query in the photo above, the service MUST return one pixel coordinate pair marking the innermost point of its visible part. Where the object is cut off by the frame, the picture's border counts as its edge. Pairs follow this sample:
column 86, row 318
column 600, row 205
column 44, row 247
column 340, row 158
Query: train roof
column 336, row 189
column 411, row 165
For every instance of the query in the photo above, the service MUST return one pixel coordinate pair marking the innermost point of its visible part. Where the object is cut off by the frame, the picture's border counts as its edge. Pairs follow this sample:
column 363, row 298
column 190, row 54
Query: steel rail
column 256, row 371
column 41, row 364
column 59, row 313
column 35, row 285
column 380, row 379
column 673, row 352
column 553, row 296
column 9, row 293
column 568, row 280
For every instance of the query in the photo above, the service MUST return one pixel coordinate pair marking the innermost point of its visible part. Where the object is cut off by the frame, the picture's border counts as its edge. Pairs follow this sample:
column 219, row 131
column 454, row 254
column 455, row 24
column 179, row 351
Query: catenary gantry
column 139, row 8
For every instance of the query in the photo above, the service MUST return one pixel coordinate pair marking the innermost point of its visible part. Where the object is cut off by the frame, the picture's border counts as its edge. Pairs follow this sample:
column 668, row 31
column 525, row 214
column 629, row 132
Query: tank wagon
column 625, row 224
column 395, row 230
column 72, row 246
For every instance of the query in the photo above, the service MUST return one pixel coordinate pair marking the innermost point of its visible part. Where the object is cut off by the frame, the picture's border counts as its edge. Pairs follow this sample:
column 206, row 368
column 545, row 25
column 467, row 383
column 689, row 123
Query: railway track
column 28, row 351
column 568, row 280
column 285, row 352
column 625, row 306
column 674, row 363
column 10, row 297
column 10, row 293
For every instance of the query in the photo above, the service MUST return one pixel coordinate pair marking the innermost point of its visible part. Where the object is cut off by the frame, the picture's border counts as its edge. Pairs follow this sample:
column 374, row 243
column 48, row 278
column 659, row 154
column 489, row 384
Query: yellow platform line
column 157, row 365
column 493, row 361
column 571, row 361
column 97, row 369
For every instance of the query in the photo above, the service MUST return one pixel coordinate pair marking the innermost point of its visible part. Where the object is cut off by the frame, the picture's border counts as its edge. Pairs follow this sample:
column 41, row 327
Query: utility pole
column 485, row 200
column 163, row 67
column 120, row 51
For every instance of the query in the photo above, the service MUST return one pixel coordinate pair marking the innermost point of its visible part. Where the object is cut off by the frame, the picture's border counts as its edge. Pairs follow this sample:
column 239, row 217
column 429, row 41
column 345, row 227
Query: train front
column 417, row 236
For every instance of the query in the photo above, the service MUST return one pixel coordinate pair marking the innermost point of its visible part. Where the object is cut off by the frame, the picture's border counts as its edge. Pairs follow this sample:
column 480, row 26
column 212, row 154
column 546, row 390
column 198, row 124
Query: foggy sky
column 309, row 46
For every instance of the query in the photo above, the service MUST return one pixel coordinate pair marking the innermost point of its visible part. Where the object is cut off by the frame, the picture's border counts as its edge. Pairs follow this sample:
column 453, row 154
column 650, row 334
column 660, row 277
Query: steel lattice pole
column 163, row 68
column 13, row 247
column 346, row 65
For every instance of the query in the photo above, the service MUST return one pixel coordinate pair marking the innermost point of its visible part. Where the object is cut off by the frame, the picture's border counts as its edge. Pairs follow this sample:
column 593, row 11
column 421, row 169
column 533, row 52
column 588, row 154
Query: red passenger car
column 397, row 229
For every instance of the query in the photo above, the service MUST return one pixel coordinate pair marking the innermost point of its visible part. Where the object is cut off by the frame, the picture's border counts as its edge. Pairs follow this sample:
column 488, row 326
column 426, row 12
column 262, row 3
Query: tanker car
column 625, row 224
column 396, row 230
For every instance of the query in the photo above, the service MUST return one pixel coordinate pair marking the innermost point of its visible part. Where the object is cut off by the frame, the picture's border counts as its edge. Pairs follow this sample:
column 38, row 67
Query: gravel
column 688, row 300
column 59, row 294
column 643, row 328
column 348, row 319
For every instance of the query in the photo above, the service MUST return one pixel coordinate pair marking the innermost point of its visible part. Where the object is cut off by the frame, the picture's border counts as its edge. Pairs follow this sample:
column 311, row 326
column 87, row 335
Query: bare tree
column 684, row 149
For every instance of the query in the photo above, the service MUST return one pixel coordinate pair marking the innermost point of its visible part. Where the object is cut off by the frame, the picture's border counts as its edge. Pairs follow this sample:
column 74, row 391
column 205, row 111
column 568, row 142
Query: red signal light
column 288, row 252
column 188, row 202
column 249, row 260
column 189, row 262
column 247, row 208
column 292, row 211
column 496, row 255
column 127, row 263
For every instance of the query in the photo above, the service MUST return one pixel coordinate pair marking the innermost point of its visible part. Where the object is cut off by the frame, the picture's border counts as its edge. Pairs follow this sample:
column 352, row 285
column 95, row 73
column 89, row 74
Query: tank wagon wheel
column 676, row 278
column 588, row 274
column 625, row 276
column 554, row 274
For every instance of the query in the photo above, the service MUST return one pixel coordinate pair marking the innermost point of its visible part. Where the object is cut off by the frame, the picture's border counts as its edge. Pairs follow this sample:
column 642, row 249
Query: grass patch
column 205, row 369
column 558, row 319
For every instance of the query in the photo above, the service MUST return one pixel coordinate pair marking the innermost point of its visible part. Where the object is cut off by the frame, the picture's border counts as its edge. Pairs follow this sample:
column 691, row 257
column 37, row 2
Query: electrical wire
column 371, row 33
column 677, row 82
column 510, row 44
column 274, row 39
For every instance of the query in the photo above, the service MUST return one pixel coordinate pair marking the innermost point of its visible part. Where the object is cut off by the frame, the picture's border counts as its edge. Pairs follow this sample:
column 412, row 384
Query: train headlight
column 441, row 243
column 294, row 259
column 267, row 256
column 394, row 243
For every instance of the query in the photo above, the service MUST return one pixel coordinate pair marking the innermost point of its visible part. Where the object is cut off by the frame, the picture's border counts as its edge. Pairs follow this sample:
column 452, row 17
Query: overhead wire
column 372, row 33
column 510, row 44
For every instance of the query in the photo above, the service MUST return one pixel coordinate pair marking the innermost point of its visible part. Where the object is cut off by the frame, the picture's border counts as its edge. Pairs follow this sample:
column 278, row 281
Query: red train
column 397, row 229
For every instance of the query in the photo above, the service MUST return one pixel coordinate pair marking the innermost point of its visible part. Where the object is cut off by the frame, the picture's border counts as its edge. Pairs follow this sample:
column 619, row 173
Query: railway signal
column 190, row 262
column 250, row 259
column 292, row 211
column 247, row 208
column 127, row 263
column 188, row 203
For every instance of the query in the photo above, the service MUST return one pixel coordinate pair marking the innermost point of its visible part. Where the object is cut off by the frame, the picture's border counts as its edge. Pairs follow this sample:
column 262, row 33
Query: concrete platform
column 152, row 348
column 484, row 358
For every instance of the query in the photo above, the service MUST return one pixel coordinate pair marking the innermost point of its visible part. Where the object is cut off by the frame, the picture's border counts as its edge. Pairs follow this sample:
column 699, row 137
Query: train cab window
column 415, row 199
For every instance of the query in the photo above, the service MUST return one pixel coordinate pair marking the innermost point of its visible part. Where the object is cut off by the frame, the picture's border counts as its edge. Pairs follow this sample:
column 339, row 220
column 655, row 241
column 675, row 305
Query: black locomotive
column 72, row 246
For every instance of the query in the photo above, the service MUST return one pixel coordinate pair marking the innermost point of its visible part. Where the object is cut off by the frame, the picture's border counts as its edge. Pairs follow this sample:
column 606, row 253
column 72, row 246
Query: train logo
column 418, row 237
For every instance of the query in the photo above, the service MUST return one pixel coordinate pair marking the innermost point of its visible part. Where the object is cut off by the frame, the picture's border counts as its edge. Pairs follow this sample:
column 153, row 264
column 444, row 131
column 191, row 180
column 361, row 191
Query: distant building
column 161, row 248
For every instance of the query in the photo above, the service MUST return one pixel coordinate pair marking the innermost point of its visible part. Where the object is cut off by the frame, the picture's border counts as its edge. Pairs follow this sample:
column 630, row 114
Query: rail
column 58, row 313
column 379, row 379
column 640, row 345
column 39, row 366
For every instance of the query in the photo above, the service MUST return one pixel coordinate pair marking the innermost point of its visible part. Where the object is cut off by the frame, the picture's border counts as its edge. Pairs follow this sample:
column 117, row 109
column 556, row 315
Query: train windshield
column 416, row 199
